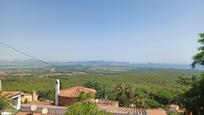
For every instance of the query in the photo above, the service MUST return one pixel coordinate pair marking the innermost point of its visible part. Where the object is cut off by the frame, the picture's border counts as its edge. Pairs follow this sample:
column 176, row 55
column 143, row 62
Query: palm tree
column 3, row 103
column 139, row 99
column 120, row 94
column 129, row 95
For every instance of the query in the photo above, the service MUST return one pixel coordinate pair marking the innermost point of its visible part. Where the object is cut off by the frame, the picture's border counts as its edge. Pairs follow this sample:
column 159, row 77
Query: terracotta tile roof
column 9, row 94
column 132, row 111
column 27, row 94
column 156, row 112
column 75, row 91
column 123, row 110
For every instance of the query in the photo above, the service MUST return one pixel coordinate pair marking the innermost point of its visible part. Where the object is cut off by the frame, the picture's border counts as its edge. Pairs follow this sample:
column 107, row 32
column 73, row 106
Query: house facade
column 28, row 98
column 15, row 98
column 69, row 96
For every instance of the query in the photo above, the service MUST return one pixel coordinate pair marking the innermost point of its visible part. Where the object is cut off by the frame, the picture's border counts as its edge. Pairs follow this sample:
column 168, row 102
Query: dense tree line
column 154, row 87
column 129, row 96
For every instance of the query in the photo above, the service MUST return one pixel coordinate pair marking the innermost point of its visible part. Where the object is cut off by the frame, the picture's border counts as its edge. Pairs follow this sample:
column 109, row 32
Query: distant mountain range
column 37, row 63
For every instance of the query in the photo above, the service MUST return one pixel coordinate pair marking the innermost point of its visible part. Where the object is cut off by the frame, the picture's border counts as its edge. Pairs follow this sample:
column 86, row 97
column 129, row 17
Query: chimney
column 0, row 86
column 34, row 96
column 57, row 91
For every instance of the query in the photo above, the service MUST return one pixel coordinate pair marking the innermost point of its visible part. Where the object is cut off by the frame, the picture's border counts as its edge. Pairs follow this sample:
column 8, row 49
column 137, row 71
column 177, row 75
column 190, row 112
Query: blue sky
column 157, row 31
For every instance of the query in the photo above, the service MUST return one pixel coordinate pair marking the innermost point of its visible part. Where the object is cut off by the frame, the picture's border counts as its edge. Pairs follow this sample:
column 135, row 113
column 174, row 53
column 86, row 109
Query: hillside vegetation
column 158, row 87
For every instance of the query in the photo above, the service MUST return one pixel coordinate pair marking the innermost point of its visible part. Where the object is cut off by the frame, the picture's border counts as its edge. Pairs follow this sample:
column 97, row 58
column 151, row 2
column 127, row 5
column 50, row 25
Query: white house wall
column 17, row 101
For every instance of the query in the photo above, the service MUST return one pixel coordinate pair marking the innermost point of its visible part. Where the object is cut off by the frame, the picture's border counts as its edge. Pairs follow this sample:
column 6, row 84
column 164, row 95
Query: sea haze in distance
column 36, row 63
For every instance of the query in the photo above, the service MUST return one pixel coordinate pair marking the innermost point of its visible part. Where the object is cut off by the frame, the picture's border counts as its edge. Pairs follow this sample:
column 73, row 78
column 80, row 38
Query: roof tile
column 75, row 91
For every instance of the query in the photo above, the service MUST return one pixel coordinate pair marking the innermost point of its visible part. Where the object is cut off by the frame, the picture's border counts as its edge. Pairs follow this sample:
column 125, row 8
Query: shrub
column 152, row 103
column 84, row 108
column 3, row 103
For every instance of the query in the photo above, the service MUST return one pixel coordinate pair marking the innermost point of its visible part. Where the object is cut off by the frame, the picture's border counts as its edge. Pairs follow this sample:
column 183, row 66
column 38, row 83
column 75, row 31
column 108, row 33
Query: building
column 156, row 111
column 28, row 98
column 112, row 107
column 106, row 102
column 15, row 98
column 69, row 96
column 174, row 107
column 132, row 111
column 57, row 91
column 52, row 110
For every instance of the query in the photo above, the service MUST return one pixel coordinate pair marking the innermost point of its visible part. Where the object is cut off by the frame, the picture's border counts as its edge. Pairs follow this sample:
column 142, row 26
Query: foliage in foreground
column 5, row 105
column 198, row 58
column 194, row 98
column 86, row 96
column 128, row 96
column 85, row 108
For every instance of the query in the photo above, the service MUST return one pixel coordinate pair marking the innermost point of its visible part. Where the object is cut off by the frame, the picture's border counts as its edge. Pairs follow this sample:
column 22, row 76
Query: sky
column 139, row 31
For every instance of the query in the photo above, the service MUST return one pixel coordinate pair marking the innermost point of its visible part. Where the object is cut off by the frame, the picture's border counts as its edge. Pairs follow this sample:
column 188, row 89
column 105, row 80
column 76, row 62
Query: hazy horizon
column 108, row 30
column 111, row 61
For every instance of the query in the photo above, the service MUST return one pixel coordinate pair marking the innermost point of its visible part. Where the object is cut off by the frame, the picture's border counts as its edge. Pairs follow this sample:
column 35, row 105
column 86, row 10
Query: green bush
column 152, row 103
column 83, row 108
column 85, row 96
column 3, row 103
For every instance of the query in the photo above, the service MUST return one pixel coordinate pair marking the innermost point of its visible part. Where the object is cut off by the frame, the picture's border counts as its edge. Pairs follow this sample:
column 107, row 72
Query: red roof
column 123, row 110
column 75, row 91
column 9, row 94
column 156, row 112
column 133, row 111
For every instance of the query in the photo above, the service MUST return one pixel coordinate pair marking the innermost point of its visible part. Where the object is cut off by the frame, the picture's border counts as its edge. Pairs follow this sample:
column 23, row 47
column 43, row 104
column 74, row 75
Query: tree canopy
column 199, row 57
column 194, row 98
column 84, row 106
